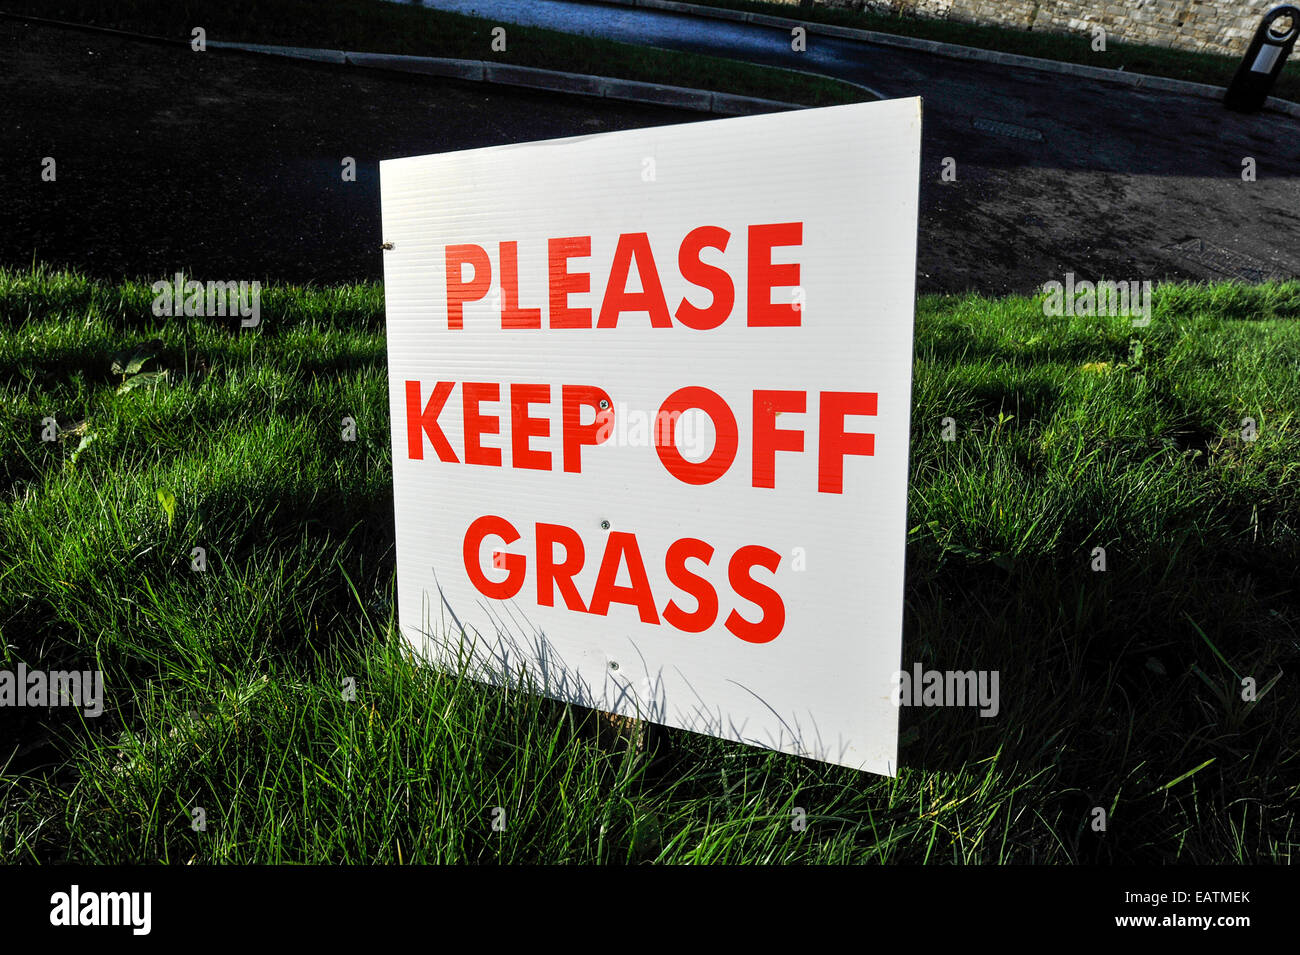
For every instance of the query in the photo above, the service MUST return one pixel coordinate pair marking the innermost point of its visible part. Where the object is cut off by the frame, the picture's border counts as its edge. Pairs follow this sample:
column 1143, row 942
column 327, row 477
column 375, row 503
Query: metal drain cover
column 1225, row 261
column 1010, row 130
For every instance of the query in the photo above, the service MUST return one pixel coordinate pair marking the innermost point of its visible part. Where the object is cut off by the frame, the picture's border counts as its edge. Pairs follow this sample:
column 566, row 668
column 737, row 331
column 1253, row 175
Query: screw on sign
column 1264, row 59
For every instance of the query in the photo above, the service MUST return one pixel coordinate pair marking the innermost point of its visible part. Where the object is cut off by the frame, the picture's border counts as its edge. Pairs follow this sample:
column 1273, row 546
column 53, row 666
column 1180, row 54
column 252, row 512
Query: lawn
column 380, row 27
column 263, row 710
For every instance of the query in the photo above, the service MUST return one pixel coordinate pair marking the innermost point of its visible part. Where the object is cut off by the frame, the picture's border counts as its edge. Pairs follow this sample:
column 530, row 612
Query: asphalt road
column 228, row 164
column 1054, row 173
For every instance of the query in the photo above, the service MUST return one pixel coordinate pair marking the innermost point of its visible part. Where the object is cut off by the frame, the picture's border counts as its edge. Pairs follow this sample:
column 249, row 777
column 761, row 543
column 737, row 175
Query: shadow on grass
column 1116, row 684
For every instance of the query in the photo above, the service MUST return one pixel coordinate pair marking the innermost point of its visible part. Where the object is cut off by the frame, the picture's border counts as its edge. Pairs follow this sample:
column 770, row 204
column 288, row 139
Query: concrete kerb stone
column 337, row 57
column 955, row 51
column 733, row 105
column 552, row 80
column 679, row 96
column 730, row 104
column 530, row 77
column 425, row 65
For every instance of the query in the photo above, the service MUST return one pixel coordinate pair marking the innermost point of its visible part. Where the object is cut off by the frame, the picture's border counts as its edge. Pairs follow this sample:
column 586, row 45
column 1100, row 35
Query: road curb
column 954, row 51
column 532, row 77
column 529, row 77
column 481, row 71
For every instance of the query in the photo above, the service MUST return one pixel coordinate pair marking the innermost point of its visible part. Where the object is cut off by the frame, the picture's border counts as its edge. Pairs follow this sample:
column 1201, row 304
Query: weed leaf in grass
column 130, row 362
column 168, row 502
column 86, row 441
column 130, row 365
column 144, row 378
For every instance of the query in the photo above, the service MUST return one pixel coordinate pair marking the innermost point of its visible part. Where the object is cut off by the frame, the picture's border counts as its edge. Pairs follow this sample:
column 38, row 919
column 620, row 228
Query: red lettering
column 426, row 421
column 724, row 425
column 764, row 275
column 622, row 546
column 512, row 316
column 564, row 283
column 710, row 277
column 832, row 441
column 573, row 398
column 706, row 599
column 622, row 549
column 458, row 290
column 634, row 245
column 768, row 438
column 522, row 427
column 515, row 564
column 561, row 575
column 769, row 626
column 476, row 425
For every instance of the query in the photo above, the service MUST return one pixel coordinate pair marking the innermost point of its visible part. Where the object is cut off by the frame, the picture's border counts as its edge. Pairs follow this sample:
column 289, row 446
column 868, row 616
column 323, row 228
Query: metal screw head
column 613, row 664
column 604, row 525
column 603, row 404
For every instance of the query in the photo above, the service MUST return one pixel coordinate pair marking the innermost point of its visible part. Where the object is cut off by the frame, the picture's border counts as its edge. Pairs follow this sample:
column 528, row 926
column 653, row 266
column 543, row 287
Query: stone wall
column 1211, row 26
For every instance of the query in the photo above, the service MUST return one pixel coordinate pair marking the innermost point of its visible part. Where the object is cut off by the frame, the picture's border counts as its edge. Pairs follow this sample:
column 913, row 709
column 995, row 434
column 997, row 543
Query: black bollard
column 1263, row 61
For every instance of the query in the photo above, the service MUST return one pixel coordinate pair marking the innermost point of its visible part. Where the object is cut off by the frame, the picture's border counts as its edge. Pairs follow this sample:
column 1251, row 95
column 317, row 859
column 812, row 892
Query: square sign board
column 650, row 394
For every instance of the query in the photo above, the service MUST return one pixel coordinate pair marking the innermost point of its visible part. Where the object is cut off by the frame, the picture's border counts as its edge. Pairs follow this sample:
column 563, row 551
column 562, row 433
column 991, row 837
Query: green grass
column 1213, row 68
column 224, row 688
column 380, row 27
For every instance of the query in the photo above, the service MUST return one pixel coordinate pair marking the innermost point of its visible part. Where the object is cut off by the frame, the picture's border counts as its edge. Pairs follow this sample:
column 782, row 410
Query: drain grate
column 1225, row 261
column 1010, row 130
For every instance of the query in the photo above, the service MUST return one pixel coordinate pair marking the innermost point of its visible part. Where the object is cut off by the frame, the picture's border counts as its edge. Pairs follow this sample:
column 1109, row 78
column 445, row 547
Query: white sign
column 650, row 397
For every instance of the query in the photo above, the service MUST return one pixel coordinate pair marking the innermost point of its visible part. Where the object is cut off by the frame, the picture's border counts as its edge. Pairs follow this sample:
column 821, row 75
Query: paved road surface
column 227, row 165
column 1054, row 173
